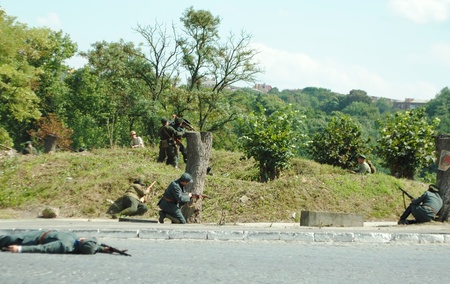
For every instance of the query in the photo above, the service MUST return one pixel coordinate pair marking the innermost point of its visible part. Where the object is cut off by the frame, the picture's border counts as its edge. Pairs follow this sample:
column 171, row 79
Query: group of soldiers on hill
column 171, row 134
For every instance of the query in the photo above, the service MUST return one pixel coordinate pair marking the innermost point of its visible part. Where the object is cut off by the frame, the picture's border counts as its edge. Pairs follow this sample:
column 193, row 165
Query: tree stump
column 199, row 146
column 443, row 174
column 49, row 143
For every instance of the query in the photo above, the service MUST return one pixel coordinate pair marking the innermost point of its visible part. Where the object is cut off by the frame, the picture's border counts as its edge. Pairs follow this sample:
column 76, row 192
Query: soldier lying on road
column 52, row 242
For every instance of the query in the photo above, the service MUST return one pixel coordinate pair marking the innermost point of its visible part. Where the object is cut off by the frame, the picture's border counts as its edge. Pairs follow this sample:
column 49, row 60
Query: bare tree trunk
column 49, row 143
column 199, row 146
column 443, row 174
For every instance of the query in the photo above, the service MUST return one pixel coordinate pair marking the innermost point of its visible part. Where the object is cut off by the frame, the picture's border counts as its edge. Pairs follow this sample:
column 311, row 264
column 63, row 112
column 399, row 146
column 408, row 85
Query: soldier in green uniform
column 133, row 201
column 29, row 149
column 363, row 166
column 425, row 208
column 178, row 125
column 168, row 147
column 173, row 198
column 50, row 242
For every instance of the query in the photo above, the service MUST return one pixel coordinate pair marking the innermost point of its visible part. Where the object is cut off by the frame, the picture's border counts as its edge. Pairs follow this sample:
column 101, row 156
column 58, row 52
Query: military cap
column 163, row 120
column 28, row 143
column 89, row 246
column 133, row 133
column 361, row 156
column 186, row 178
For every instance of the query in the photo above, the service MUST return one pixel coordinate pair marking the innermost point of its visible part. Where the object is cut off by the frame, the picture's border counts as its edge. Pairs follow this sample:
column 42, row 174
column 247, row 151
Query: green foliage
column 5, row 139
column 270, row 140
column 339, row 143
column 438, row 107
column 18, row 78
column 406, row 143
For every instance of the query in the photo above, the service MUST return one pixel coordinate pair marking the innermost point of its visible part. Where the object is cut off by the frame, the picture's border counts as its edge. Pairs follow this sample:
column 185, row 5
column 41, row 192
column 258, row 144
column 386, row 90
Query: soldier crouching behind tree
column 173, row 198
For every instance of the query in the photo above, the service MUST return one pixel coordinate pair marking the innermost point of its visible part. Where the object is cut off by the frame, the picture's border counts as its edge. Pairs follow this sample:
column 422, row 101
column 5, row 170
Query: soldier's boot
column 173, row 219
column 162, row 215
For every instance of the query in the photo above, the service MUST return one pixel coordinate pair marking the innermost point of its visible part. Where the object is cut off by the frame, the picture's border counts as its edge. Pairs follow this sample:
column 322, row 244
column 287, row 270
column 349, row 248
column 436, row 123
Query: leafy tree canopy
column 406, row 142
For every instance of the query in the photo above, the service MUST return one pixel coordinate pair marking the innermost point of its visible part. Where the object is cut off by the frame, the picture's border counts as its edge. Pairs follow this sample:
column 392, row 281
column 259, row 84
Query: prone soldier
column 52, row 242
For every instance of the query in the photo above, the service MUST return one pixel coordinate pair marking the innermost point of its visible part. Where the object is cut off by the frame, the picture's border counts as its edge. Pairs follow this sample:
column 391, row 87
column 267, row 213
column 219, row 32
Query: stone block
column 373, row 237
column 297, row 236
column 154, row 234
column 330, row 219
column 193, row 235
column 226, row 235
column 263, row 236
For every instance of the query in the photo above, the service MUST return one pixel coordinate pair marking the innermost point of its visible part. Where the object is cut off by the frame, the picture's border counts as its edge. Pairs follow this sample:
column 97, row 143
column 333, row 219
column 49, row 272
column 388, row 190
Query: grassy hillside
column 79, row 184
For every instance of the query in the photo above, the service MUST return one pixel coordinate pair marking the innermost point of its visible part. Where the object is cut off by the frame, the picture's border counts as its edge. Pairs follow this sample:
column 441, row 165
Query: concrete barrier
column 330, row 219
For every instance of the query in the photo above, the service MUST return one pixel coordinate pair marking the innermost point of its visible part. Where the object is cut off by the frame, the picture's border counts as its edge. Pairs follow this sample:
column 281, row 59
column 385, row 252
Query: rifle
column 115, row 250
column 144, row 198
column 198, row 195
column 188, row 124
column 405, row 192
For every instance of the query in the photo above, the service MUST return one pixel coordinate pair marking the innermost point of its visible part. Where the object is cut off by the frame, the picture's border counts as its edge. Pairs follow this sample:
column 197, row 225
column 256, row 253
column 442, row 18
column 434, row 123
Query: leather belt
column 43, row 236
column 168, row 199
column 432, row 209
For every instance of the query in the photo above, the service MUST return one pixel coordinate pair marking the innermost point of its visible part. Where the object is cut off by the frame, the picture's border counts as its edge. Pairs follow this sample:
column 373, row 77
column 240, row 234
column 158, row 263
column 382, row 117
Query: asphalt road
column 187, row 261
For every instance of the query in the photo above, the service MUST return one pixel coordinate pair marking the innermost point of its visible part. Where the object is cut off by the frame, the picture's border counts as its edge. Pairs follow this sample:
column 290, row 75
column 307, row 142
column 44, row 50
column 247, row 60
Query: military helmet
column 89, row 246
column 186, row 177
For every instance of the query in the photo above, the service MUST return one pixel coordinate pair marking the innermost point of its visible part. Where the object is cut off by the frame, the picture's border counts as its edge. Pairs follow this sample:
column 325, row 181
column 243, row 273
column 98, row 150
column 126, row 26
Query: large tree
column 198, row 43
column 406, row 142
column 19, row 79
column 126, row 103
column 163, row 56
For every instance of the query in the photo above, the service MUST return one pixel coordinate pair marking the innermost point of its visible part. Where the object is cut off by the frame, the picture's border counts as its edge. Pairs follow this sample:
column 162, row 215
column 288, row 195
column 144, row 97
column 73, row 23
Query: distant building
column 208, row 83
column 263, row 87
column 409, row 104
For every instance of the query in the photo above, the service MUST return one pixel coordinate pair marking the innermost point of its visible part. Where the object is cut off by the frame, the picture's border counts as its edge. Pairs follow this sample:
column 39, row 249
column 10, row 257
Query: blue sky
column 389, row 48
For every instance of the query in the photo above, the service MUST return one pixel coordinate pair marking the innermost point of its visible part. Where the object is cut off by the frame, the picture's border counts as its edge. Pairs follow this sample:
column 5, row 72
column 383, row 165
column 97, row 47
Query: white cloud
column 422, row 11
column 51, row 21
column 296, row 70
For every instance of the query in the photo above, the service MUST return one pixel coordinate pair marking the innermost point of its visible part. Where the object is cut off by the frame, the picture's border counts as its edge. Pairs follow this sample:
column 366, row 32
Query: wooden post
column 49, row 143
column 198, row 149
column 443, row 174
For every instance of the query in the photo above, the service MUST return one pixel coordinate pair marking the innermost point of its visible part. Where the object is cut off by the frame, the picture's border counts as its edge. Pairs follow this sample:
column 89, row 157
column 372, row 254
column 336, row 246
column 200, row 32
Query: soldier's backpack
column 373, row 170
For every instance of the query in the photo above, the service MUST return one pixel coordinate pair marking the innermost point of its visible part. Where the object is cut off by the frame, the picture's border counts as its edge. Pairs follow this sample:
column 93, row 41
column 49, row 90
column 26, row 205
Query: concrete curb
column 260, row 235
